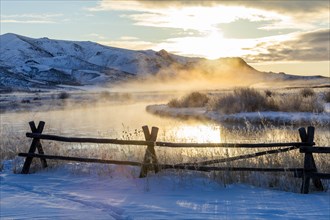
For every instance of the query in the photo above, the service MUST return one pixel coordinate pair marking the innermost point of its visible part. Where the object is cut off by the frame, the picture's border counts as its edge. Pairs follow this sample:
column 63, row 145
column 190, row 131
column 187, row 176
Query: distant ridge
column 28, row 64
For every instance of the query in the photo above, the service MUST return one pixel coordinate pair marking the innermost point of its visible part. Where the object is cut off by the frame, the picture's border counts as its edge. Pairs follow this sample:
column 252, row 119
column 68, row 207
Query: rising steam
column 202, row 75
column 224, row 73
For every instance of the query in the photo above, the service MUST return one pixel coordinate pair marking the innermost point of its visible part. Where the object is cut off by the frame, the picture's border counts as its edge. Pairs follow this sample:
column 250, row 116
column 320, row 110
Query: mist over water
column 108, row 120
column 124, row 120
column 111, row 119
column 119, row 111
column 204, row 75
column 224, row 73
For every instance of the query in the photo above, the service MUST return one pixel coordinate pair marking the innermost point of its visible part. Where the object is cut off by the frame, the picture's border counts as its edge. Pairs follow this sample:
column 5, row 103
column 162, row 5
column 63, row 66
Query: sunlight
column 199, row 27
column 198, row 133
column 211, row 46
column 216, row 39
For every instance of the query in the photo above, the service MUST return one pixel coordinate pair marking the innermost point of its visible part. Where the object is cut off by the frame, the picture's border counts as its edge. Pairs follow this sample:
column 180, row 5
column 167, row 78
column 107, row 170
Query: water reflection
column 109, row 121
column 112, row 119
column 197, row 133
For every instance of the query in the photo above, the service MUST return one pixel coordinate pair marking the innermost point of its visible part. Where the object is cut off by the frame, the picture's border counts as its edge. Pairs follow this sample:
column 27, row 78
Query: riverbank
column 279, row 118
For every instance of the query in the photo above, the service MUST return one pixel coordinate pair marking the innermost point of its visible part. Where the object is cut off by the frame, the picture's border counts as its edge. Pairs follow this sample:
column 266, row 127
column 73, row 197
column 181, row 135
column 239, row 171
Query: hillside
column 28, row 64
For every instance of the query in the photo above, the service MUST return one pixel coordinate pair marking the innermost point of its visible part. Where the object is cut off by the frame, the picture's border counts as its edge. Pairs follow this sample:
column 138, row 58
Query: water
column 124, row 120
column 111, row 121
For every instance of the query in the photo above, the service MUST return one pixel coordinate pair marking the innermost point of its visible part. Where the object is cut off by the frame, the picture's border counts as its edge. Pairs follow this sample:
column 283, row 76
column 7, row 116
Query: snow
column 327, row 107
column 254, row 117
column 76, row 191
column 72, row 54
column 23, row 58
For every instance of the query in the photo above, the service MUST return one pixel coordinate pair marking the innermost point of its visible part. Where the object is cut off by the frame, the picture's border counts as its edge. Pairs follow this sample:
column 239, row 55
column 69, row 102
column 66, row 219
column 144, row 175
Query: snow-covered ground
column 254, row 117
column 69, row 192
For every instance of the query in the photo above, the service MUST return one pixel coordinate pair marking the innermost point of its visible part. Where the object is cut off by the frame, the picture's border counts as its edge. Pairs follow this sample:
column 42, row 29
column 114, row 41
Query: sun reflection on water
column 198, row 133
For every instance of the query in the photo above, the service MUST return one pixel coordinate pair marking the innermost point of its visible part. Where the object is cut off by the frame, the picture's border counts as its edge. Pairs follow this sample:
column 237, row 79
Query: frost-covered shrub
column 289, row 102
column 174, row 103
column 311, row 104
column 25, row 101
column 298, row 103
column 244, row 100
column 306, row 92
column 252, row 100
column 326, row 96
column 268, row 93
column 193, row 100
column 63, row 95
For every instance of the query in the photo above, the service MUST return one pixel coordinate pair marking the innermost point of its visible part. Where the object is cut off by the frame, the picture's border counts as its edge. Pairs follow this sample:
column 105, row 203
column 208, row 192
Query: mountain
column 28, row 64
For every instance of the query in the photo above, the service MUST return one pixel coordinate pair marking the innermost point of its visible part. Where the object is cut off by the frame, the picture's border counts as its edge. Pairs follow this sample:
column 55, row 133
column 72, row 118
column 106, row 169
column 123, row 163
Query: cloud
column 128, row 42
column 284, row 6
column 201, row 15
column 128, row 38
column 193, row 16
column 97, row 36
column 205, row 18
column 30, row 18
column 288, row 6
column 298, row 7
column 35, row 16
column 202, row 19
column 27, row 21
column 308, row 46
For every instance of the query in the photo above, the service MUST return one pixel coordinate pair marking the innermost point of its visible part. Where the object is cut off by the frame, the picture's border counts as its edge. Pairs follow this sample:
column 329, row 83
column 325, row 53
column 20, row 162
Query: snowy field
column 69, row 192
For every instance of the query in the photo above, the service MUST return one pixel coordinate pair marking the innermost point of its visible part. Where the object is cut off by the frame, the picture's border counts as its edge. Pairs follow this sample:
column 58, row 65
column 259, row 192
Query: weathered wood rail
column 150, row 161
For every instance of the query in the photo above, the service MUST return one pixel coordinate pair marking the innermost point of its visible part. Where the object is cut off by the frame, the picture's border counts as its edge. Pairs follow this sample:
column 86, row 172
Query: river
column 124, row 120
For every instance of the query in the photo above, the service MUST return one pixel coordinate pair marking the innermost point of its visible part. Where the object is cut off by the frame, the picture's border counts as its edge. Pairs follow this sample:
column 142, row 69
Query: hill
column 28, row 64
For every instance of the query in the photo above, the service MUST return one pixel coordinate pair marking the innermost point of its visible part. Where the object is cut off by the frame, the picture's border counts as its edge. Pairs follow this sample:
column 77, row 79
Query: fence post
column 309, row 162
column 150, row 161
column 36, row 144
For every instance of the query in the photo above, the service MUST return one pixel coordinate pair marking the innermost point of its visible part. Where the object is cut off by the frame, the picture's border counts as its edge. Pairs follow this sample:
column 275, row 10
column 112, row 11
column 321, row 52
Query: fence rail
column 79, row 159
column 150, row 161
column 162, row 144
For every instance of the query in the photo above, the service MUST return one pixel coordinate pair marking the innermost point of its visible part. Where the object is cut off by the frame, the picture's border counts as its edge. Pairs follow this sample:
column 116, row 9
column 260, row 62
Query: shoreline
column 277, row 118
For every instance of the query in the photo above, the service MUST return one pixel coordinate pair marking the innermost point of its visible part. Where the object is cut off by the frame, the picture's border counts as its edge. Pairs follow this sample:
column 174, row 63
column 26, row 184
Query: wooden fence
column 150, row 161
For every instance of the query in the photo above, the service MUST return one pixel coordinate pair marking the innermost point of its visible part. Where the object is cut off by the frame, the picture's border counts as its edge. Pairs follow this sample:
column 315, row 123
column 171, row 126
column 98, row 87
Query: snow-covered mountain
column 28, row 64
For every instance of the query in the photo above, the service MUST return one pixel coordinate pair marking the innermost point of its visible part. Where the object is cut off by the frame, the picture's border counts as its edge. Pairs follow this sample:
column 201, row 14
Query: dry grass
column 252, row 100
column 326, row 96
column 306, row 92
column 247, row 134
column 298, row 103
column 193, row 100
column 11, row 144
column 243, row 100
column 269, row 93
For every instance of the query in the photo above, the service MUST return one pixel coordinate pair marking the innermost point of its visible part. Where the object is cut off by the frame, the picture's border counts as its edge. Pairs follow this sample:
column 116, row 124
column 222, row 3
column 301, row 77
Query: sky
column 271, row 35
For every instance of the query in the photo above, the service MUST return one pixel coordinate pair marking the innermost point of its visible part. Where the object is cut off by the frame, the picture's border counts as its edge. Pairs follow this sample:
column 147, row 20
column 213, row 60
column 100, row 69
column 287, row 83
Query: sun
column 214, row 44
